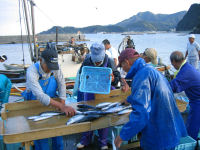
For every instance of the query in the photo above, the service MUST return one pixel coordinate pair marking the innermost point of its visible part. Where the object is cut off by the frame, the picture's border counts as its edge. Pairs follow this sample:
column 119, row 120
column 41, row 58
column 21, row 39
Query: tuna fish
column 82, row 118
column 102, row 105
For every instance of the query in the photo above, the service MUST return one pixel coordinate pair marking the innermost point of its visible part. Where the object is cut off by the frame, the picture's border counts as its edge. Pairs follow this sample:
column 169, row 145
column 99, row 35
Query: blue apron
column 49, row 87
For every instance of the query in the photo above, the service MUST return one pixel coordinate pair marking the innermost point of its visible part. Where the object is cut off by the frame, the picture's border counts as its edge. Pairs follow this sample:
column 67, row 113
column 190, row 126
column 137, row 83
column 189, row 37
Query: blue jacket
column 5, row 86
column 155, row 113
column 188, row 80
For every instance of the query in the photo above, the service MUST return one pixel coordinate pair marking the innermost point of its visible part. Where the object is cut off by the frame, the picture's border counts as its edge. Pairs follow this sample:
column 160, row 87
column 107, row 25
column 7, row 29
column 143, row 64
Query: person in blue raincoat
column 155, row 113
column 97, row 58
column 42, row 81
column 5, row 86
column 187, row 79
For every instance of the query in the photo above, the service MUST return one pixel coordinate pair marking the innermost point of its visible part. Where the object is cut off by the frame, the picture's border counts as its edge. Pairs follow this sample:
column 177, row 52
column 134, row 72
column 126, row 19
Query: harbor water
column 164, row 43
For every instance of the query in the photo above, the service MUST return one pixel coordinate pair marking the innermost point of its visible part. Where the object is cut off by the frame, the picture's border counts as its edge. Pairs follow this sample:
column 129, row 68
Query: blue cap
column 97, row 52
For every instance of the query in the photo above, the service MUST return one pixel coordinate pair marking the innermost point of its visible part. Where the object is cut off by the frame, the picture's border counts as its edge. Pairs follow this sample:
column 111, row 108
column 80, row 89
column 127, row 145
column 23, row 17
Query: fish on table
column 45, row 115
column 126, row 111
column 111, row 106
column 88, row 112
column 102, row 105
column 82, row 118
column 86, row 106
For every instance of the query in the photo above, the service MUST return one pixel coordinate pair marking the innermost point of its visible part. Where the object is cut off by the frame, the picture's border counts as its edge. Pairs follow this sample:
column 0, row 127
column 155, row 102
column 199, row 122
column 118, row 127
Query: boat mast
column 28, row 30
column 33, row 29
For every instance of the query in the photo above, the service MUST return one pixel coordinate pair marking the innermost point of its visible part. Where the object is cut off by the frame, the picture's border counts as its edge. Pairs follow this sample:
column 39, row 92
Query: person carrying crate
column 97, row 58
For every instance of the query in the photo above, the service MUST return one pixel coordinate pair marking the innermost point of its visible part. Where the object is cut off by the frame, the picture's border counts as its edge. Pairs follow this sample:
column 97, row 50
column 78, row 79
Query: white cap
column 192, row 36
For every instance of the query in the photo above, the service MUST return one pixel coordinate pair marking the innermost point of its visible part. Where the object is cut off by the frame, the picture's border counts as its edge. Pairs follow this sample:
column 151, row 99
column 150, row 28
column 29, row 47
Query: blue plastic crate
column 95, row 80
column 186, row 143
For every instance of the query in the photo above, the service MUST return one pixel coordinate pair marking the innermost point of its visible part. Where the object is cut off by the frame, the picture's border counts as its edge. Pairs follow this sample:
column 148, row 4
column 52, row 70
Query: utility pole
column 56, row 35
column 28, row 30
column 33, row 29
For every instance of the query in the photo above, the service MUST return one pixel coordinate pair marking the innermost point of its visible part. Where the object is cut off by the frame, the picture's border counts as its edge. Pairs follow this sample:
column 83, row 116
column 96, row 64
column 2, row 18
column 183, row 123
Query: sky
column 81, row 13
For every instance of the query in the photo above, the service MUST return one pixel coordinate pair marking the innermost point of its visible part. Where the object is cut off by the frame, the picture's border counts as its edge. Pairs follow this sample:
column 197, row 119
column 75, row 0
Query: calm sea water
column 164, row 43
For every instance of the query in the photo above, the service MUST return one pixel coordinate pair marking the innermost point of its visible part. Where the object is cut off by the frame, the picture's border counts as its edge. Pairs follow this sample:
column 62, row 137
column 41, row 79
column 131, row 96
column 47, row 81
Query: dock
column 41, row 38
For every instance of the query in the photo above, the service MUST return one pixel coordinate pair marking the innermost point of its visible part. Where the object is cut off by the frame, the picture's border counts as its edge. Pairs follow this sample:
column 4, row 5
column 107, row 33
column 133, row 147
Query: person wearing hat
column 155, row 113
column 3, row 58
column 150, row 56
column 42, row 81
column 97, row 58
column 192, row 51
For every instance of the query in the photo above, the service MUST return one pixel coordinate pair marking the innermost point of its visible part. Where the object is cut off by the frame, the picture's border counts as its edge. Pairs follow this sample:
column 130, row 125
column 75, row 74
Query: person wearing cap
column 193, row 51
column 110, row 51
column 42, row 81
column 150, row 56
column 97, row 58
column 3, row 58
column 155, row 113
column 187, row 80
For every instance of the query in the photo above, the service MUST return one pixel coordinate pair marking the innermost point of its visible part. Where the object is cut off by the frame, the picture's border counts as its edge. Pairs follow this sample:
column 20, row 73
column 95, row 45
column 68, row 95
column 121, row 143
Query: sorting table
column 15, row 126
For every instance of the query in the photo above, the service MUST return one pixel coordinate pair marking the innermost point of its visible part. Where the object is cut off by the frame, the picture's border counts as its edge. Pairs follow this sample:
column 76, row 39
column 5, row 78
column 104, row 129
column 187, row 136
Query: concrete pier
column 41, row 38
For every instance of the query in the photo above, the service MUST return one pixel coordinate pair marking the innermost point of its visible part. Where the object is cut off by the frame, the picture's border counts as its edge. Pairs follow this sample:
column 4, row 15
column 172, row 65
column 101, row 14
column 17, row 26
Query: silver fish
column 42, row 118
column 125, row 111
column 102, row 105
column 82, row 118
column 50, row 114
column 79, row 112
column 32, row 117
column 93, row 112
column 111, row 106
column 115, row 109
column 75, row 119
column 86, row 106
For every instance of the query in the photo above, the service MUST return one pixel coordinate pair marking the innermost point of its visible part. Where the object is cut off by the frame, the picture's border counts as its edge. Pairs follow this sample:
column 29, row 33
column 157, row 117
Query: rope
column 20, row 18
column 26, row 27
column 54, row 23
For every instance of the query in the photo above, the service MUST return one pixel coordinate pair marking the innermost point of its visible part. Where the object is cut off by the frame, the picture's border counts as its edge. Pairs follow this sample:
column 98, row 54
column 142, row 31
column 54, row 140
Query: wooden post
column 27, row 145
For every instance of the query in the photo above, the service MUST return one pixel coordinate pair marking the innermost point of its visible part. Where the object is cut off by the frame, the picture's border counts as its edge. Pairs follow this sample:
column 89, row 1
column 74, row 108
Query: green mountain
column 89, row 29
column 143, row 21
column 191, row 20
column 147, row 21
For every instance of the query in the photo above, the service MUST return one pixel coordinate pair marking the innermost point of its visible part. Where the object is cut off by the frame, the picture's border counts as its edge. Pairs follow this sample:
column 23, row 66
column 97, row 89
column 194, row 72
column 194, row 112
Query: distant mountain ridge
column 191, row 20
column 143, row 21
column 148, row 21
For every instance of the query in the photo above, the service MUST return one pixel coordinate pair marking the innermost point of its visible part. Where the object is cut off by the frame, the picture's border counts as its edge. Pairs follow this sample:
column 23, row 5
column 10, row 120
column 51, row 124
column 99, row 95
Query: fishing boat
column 16, row 66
